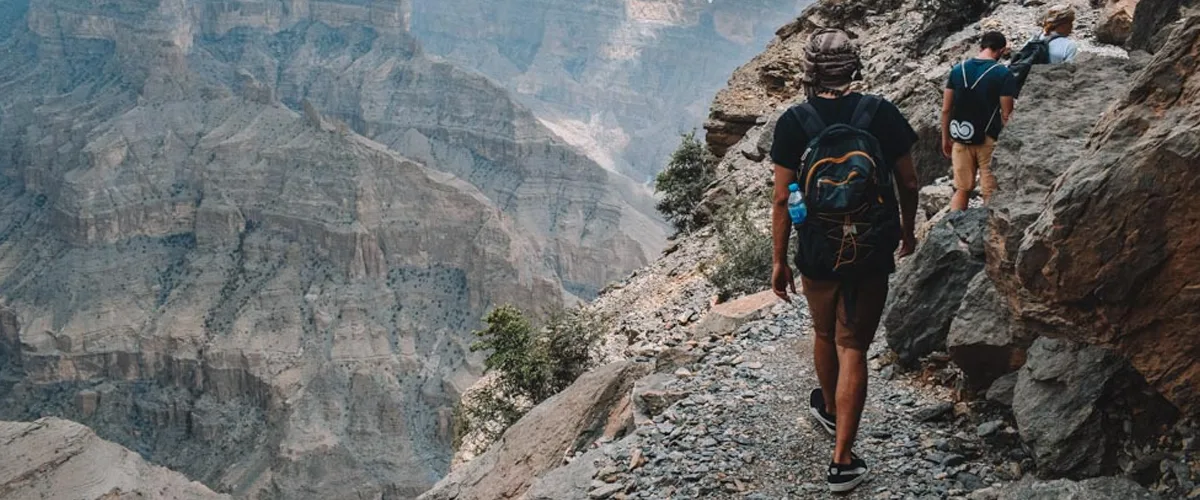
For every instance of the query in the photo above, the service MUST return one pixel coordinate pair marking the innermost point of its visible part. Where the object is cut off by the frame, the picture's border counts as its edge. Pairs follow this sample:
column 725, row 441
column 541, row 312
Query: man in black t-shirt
column 843, row 330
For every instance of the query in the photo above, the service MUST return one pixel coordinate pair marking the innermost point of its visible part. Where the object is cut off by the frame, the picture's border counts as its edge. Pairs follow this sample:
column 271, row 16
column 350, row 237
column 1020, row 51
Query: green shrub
column 531, row 363
column 743, row 263
column 682, row 184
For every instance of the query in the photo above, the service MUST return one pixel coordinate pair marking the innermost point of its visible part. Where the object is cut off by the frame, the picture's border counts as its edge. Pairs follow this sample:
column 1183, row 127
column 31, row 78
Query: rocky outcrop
column 934, row 280
column 620, row 79
column 55, row 458
column 1111, row 260
column 538, row 443
column 1150, row 20
column 1073, row 405
column 1035, row 151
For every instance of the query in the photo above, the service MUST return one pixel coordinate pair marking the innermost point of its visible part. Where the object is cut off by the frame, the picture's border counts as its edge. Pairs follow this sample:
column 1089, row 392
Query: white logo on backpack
column 962, row 131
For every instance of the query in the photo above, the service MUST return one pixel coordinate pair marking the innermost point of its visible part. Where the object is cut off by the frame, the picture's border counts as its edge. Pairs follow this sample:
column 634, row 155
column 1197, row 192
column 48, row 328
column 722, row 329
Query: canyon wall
column 619, row 78
column 248, row 239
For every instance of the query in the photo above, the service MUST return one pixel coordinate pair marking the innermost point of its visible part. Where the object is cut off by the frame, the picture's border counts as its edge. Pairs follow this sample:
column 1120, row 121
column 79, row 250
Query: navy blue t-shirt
column 997, row 83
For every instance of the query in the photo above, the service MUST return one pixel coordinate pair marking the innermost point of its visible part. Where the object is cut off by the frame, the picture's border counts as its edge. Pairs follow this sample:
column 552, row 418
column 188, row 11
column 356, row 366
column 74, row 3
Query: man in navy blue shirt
column 977, row 103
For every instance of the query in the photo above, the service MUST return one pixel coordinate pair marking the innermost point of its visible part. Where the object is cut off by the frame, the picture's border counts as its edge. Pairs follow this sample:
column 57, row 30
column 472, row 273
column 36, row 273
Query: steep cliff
column 619, row 78
column 247, row 239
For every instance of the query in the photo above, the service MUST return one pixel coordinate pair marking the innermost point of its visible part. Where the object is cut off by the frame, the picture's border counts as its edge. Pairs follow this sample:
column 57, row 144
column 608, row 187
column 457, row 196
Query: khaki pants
column 971, row 159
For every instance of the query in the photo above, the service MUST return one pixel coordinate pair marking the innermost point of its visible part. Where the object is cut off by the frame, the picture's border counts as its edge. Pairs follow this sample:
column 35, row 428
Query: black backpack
column 972, row 113
column 1037, row 51
column 853, row 223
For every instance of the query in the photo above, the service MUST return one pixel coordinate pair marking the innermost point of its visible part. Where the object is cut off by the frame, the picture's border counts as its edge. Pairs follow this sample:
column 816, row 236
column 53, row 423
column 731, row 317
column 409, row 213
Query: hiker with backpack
column 977, row 103
column 846, row 183
column 1052, row 45
column 1057, row 27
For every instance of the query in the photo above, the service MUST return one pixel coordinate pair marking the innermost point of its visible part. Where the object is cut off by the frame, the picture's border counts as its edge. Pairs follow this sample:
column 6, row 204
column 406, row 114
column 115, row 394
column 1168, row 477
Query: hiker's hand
column 947, row 147
column 782, row 281
column 908, row 244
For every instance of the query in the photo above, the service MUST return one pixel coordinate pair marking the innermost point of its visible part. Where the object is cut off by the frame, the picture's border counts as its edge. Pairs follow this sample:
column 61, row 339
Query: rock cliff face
column 247, row 239
column 619, row 78
column 1112, row 260
column 55, row 458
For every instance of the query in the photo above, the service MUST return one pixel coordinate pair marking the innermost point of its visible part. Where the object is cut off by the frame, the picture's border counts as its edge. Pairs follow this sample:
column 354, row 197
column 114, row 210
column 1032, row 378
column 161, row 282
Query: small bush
column 744, row 253
column 682, row 184
column 531, row 363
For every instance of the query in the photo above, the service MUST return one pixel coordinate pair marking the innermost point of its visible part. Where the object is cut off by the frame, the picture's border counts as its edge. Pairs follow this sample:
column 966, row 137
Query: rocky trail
column 740, row 427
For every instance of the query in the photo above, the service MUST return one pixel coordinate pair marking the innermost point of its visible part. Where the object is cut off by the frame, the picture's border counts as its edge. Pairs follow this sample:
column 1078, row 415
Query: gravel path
column 740, row 429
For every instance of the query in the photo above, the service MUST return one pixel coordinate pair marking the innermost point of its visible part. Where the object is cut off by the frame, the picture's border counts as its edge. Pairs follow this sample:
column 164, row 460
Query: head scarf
column 831, row 60
column 1058, row 15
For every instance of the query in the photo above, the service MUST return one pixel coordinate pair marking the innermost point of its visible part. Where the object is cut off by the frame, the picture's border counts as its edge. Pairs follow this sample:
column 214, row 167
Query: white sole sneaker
column 851, row 484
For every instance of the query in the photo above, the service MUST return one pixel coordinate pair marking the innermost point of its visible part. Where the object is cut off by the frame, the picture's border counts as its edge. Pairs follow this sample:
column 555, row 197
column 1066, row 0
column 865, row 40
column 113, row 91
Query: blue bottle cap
column 793, row 187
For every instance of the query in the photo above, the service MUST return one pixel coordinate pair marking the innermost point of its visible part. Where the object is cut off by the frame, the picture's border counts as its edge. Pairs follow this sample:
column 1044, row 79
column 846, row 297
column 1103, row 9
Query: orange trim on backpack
column 813, row 170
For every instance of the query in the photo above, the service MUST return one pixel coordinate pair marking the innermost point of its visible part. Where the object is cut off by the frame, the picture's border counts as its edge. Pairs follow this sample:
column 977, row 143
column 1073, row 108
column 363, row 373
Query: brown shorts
column 828, row 309
column 971, row 159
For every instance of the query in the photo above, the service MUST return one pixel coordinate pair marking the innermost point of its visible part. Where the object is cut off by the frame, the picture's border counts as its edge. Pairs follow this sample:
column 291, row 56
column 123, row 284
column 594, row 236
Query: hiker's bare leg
column 825, row 360
column 959, row 200
column 851, row 398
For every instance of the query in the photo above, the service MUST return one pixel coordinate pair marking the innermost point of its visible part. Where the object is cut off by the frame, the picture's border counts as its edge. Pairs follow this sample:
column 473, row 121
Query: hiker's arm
column 910, row 186
column 781, row 221
column 1007, row 103
column 947, row 106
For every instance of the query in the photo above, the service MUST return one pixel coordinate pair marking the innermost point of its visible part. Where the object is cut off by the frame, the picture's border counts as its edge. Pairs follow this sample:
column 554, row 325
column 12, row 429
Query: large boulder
column 1112, row 260
column 1072, row 403
column 1116, row 22
column 983, row 339
column 537, row 443
column 929, row 286
column 1102, row 488
column 1035, row 151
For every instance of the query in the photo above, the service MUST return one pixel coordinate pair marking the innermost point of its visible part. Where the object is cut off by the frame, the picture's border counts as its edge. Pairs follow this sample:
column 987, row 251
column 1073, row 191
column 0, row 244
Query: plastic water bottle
column 796, row 207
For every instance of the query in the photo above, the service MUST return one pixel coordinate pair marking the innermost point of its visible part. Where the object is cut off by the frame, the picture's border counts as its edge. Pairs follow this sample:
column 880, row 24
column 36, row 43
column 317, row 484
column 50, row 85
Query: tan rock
column 537, row 443
column 1116, row 22
column 726, row 318
column 55, row 458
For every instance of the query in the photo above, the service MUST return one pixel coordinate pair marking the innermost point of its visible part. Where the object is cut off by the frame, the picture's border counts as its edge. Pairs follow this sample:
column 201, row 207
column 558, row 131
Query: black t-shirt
column 896, row 137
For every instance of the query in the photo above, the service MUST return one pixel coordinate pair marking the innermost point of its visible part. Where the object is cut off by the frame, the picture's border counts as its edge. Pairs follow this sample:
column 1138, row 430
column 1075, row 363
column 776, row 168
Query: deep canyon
column 248, row 240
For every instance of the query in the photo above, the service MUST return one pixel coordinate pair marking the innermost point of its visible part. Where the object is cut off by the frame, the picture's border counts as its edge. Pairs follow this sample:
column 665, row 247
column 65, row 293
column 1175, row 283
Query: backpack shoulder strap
column 981, row 75
column 809, row 119
column 864, row 113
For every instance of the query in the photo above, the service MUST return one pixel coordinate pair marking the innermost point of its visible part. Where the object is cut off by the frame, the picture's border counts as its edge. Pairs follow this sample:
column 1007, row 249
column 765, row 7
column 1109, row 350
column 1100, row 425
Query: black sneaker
column 843, row 478
column 816, row 406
